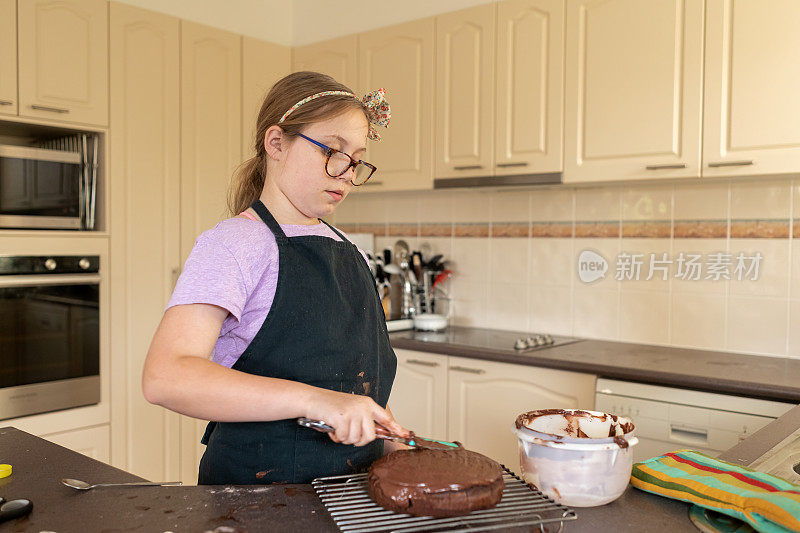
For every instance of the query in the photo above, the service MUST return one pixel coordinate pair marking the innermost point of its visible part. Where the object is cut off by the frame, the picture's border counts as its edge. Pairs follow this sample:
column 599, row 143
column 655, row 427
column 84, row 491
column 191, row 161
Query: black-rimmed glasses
column 338, row 162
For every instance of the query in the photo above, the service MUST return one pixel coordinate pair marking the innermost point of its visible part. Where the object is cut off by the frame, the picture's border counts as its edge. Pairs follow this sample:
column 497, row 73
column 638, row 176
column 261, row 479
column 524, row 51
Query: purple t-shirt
column 235, row 265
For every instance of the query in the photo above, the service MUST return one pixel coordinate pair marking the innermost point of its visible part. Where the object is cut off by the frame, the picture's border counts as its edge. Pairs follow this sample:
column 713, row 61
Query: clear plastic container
column 578, row 458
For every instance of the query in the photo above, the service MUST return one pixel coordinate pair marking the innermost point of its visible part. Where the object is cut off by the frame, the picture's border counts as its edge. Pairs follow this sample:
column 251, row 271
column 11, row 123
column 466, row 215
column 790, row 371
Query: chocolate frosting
column 617, row 429
column 435, row 482
column 436, row 470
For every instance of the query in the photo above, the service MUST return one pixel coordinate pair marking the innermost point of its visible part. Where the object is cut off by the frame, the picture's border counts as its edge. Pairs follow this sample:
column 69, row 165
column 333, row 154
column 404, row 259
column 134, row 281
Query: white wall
column 299, row 22
column 318, row 20
column 270, row 20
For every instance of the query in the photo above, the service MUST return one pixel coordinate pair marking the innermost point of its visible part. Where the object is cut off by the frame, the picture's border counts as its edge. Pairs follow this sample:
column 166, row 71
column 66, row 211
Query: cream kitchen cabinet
column 63, row 60
column 211, row 126
column 479, row 400
column 419, row 394
column 633, row 89
column 92, row 442
column 263, row 63
column 485, row 397
column 8, row 57
column 144, row 219
column 529, row 103
column 335, row 57
column 465, row 46
column 400, row 59
column 211, row 148
column 751, row 110
column 499, row 89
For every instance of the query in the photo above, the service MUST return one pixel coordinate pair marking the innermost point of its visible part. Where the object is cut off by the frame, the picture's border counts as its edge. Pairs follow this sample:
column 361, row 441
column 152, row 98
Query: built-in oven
column 49, row 333
column 49, row 186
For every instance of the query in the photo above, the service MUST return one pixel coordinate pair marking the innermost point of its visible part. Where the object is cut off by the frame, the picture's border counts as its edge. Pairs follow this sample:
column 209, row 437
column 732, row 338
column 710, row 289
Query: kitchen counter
column 773, row 378
column 39, row 465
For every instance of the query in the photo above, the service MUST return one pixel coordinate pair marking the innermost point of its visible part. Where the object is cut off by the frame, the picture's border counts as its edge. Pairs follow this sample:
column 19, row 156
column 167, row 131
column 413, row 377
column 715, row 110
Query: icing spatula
column 383, row 433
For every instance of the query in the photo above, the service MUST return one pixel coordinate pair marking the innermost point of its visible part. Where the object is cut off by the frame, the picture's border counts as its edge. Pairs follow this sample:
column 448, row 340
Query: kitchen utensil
column 14, row 508
column 400, row 251
column 434, row 262
column 425, row 250
column 416, row 263
column 82, row 485
column 442, row 277
column 383, row 433
column 407, row 306
column 426, row 290
column 582, row 471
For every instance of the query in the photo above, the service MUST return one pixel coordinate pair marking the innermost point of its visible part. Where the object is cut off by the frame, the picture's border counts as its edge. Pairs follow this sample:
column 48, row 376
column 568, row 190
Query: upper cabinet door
column 633, row 89
column 336, row 58
column 145, row 208
column 63, row 60
column 752, row 113
column 465, row 92
column 530, row 86
column 400, row 59
column 263, row 63
column 8, row 57
column 211, row 126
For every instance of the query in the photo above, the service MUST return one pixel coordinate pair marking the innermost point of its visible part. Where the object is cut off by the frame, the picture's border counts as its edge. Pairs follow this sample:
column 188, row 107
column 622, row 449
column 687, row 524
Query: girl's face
column 301, row 178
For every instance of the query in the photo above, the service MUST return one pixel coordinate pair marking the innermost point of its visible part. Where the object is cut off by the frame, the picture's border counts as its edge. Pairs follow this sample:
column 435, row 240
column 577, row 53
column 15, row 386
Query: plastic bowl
column 578, row 458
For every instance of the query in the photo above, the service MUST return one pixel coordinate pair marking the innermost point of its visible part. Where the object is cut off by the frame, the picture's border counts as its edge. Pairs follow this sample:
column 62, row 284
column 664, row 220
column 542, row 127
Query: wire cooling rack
column 346, row 499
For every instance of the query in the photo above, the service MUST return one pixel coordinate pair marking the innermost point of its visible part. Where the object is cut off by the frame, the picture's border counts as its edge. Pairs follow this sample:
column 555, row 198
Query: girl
column 283, row 304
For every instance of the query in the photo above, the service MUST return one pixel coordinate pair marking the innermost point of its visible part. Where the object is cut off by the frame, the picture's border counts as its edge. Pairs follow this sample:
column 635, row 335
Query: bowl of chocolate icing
column 576, row 457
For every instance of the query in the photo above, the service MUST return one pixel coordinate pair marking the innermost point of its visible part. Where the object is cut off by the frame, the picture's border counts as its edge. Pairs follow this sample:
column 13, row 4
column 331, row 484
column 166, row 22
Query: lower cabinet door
column 485, row 398
column 93, row 442
column 419, row 394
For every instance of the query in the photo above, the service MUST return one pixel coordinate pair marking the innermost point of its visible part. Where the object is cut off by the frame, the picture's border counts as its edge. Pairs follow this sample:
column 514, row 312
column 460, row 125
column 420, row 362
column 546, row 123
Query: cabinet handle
column 731, row 163
column 520, row 164
column 48, row 108
column 371, row 183
column 467, row 369
column 468, row 167
column 659, row 167
column 175, row 275
column 683, row 433
column 423, row 363
column 6, row 102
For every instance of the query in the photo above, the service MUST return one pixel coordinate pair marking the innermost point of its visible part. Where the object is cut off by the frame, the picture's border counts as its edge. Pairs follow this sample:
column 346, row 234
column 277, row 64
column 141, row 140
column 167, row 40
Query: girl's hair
column 248, row 180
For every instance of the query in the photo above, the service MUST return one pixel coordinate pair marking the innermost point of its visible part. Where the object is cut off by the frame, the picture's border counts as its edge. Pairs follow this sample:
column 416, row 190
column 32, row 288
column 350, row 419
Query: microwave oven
column 43, row 188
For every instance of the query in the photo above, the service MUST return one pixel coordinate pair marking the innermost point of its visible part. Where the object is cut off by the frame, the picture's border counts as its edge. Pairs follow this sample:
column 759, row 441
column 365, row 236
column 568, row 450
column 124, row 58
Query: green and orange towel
column 766, row 502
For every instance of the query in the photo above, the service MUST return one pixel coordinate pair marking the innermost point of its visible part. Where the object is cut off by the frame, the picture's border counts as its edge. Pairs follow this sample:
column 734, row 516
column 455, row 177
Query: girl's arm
column 179, row 375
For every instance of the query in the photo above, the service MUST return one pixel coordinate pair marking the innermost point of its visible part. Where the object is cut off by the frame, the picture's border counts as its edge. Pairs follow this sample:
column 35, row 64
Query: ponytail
column 247, row 183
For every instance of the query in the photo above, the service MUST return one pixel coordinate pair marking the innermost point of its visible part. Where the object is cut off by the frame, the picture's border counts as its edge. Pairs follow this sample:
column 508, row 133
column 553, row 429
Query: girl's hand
column 354, row 416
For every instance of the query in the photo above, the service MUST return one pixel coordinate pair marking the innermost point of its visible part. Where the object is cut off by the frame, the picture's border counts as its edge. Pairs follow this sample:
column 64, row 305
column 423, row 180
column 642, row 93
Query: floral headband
column 375, row 102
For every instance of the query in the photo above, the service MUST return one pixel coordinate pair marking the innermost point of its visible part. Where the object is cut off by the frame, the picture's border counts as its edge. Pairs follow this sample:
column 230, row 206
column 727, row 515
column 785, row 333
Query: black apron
column 325, row 328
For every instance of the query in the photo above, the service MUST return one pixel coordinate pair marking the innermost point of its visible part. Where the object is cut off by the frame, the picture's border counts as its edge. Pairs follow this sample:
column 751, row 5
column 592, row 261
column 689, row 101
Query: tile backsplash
column 722, row 259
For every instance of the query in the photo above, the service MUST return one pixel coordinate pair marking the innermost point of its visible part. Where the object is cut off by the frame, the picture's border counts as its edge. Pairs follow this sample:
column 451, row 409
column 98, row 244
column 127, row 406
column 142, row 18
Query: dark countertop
column 39, row 465
column 773, row 378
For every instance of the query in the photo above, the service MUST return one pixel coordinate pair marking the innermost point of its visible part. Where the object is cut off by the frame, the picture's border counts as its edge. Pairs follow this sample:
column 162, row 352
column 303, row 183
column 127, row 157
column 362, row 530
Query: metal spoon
column 82, row 485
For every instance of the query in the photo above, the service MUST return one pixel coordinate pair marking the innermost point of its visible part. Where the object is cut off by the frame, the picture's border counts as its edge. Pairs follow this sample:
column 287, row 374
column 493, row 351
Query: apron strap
column 270, row 221
column 336, row 231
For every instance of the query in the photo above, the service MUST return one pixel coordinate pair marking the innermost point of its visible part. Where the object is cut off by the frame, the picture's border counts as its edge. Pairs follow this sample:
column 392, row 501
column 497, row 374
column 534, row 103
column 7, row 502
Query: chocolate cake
column 425, row 482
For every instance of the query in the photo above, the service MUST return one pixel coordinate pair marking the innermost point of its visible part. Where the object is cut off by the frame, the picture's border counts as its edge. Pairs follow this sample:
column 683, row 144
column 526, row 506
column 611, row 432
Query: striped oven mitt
column 766, row 502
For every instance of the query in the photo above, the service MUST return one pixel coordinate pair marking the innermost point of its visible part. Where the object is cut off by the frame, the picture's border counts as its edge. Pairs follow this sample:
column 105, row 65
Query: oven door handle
column 48, row 279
